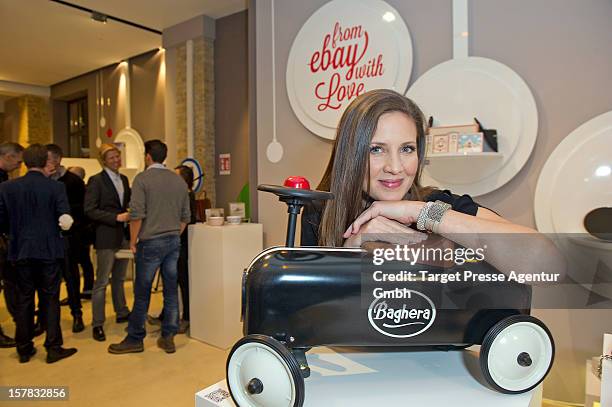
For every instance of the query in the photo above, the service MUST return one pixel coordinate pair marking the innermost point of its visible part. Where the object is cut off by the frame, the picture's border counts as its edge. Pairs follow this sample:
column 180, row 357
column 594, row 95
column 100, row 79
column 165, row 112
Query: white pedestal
column 592, row 387
column 360, row 379
column 217, row 257
column 606, row 377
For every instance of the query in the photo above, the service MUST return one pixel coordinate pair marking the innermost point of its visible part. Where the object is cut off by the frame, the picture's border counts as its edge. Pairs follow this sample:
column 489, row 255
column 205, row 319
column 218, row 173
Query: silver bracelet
column 422, row 218
column 435, row 214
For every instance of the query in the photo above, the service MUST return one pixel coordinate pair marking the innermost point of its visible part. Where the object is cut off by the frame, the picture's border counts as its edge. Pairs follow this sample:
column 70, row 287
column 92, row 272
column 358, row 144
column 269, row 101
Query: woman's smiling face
column 393, row 157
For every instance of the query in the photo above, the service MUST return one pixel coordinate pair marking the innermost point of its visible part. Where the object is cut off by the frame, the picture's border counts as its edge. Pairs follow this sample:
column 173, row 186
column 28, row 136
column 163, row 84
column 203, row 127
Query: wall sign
column 346, row 48
column 225, row 164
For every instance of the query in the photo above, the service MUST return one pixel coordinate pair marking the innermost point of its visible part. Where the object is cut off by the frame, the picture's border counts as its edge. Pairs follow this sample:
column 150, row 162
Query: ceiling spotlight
column 103, row 18
column 97, row 16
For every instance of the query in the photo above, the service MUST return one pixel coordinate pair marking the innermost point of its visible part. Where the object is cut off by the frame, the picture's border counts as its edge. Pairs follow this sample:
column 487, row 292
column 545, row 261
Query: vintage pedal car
column 296, row 298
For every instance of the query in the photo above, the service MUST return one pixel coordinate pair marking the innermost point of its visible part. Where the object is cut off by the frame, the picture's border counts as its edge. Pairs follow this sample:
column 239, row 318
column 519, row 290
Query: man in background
column 159, row 212
column 81, row 251
column 11, row 156
column 106, row 201
column 33, row 208
column 78, row 171
column 75, row 190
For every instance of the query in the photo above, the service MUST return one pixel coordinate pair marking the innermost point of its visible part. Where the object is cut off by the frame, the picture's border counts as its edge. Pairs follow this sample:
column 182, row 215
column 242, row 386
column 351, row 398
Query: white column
column 460, row 29
column 189, row 101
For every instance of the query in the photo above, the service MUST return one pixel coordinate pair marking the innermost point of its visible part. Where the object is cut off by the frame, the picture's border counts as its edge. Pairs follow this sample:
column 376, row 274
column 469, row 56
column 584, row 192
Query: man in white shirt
column 106, row 202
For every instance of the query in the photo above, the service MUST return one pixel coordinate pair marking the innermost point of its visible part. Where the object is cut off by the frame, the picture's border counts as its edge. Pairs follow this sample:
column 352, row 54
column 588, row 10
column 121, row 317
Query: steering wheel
column 295, row 198
column 285, row 193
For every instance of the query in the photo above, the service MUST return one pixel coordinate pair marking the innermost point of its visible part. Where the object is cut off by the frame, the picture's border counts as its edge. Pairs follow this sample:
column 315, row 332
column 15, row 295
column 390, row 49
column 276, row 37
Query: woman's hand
column 382, row 229
column 405, row 212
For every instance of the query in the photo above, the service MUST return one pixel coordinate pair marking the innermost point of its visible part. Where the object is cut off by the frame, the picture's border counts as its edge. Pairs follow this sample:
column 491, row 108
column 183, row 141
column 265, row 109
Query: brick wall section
column 204, row 109
column 204, row 106
column 29, row 119
column 39, row 123
column 181, row 107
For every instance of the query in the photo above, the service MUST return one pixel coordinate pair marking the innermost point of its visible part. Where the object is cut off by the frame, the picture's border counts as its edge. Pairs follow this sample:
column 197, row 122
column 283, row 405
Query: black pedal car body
column 297, row 298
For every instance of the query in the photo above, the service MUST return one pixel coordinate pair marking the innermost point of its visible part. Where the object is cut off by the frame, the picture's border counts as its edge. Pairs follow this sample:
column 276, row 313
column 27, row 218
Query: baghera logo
column 402, row 317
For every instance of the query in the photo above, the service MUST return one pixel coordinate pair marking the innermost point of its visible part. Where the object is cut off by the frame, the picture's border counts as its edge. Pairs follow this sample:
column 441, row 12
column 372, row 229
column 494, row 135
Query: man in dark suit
column 10, row 160
column 75, row 190
column 106, row 202
column 33, row 208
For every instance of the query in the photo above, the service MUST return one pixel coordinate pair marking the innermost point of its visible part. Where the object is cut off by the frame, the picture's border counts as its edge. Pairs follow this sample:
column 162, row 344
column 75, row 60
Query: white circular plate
column 456, row 91
column 346, row 48
column 576, row 178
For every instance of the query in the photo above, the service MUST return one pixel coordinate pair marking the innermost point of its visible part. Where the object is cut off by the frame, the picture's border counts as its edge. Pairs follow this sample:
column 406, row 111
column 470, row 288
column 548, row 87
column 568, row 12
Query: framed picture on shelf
column 470, row 143
column 440, row 144
column 460, row 129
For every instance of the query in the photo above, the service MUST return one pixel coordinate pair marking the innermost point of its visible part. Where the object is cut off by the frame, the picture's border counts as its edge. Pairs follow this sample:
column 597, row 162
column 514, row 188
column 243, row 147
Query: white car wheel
column 262, row 372
column 517, row 354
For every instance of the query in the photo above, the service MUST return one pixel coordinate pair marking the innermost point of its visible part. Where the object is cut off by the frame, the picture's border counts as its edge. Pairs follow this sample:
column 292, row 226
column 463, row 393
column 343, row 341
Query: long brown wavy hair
column 349, row 163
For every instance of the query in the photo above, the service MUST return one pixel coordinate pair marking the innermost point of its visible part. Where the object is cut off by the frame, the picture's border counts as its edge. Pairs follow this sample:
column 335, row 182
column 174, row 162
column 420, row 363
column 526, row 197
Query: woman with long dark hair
column 374, row 173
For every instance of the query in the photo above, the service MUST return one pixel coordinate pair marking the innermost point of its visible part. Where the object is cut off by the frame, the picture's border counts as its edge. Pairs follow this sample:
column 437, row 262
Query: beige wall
column 231, row 104
column 559, row 47
column 11, row 120
column 148, row 90
column 147, row 100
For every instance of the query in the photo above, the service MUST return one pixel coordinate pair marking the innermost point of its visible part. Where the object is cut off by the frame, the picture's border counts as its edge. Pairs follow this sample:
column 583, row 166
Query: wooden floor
column 96, row 378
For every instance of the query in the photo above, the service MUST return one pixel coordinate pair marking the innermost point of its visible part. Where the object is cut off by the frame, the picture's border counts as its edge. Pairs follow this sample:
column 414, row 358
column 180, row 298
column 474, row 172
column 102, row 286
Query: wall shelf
column 458, row 90
column 462, row 168
column 472, row 156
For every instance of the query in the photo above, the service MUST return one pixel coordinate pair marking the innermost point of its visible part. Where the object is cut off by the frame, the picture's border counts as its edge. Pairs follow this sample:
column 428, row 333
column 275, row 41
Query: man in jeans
column 159, row 212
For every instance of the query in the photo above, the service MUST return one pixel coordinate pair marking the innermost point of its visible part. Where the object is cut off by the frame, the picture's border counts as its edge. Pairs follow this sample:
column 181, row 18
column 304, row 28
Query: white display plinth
column 606, row 376
column 592, row 387
column 360, row 379
column 217, row 257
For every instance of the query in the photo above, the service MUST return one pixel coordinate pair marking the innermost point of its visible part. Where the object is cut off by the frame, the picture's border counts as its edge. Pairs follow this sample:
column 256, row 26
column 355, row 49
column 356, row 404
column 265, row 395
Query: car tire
column 516, row 354
column 261, row 371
